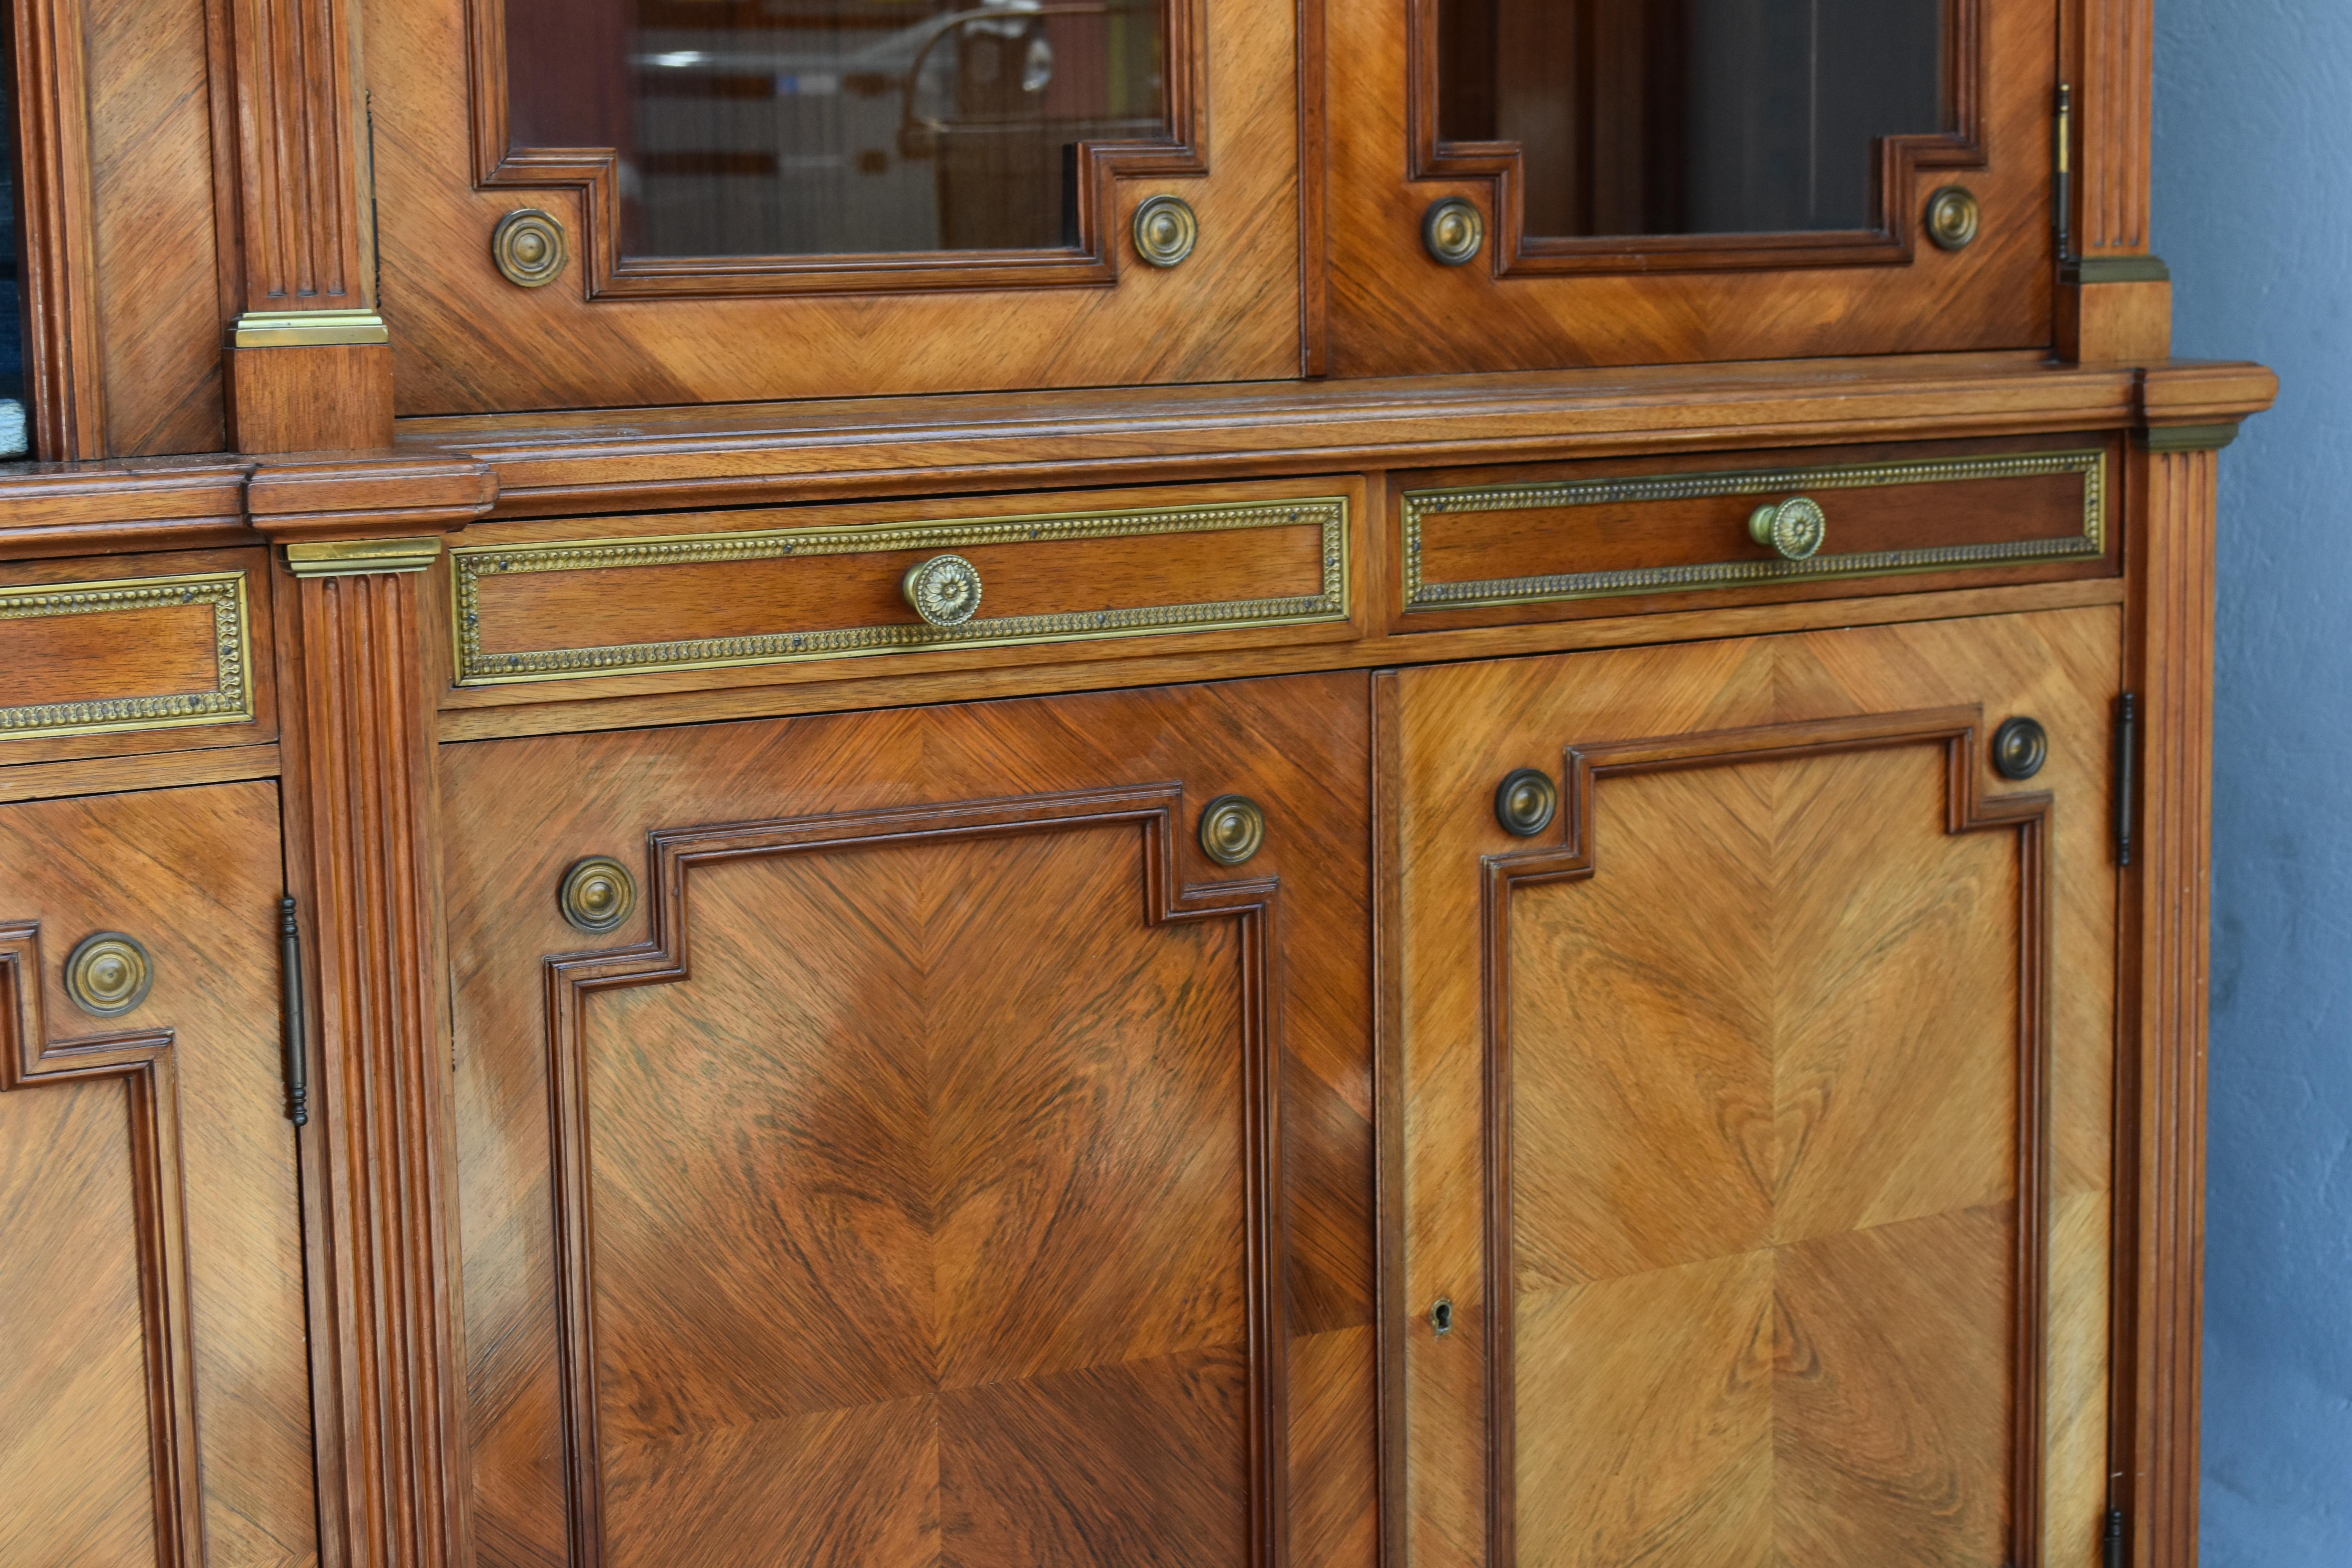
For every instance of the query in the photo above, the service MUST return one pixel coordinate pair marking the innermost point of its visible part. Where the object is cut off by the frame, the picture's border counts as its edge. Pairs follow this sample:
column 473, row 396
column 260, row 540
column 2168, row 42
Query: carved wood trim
column 65, row 370
column 594, row 172
column 2115, row 109
column 2167, row 938
column 142, row 1062
column 361, row 816
column 1504, row 165
column 663, row 958
column 1575, row 859
column 302, row 159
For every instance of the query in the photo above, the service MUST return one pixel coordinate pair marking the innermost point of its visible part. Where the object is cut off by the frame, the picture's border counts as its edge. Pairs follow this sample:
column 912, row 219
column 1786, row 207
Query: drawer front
column 1600, row 531
column 91, row 649
column 536, row 607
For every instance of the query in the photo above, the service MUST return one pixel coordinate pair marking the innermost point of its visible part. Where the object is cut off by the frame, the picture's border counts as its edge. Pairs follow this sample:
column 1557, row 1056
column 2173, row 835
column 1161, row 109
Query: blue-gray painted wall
column 2253, row 210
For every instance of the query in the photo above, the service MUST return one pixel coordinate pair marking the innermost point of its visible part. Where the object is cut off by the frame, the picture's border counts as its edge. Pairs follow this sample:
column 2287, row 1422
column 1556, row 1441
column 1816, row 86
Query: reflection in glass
column 816, row 127
column 1656, row 117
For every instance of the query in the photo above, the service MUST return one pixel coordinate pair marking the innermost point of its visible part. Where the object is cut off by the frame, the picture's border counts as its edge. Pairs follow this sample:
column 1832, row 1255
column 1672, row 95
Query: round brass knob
column 944, row 590
column 529, row 249
column 1453, row 230
column 598, row 893
column 1953, row 217
column 1526, row 802
column 1232, row 828
column 2020, row 748
column 1793, row 529
column 1166, row 228
column 108, row 973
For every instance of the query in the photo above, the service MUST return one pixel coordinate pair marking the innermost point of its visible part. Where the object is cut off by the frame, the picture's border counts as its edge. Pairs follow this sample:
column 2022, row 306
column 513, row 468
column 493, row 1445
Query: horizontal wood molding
column 552, row 465
column 1957, row 732
column 2168, row 938
column 142, row 1062
column 342, row 496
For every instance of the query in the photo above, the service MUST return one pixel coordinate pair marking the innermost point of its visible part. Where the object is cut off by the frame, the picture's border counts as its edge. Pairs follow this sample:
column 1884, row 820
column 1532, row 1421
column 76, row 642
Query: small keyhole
column 1441, row 1316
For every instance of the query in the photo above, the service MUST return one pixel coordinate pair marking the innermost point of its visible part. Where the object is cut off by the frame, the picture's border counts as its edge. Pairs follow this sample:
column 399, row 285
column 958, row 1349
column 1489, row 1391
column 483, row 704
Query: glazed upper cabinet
column 1754, row 1065
column 1545, row 182
column 647, row 202
column 657, row 202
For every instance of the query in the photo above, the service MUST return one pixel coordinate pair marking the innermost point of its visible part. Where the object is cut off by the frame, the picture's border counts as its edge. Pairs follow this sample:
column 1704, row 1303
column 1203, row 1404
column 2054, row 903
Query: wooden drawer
column 680, row 596
column 1528, row 542
column 120, row 654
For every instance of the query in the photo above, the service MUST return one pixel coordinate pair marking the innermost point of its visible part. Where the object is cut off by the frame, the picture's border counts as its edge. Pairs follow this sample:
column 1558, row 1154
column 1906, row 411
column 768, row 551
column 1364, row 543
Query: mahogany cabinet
column 1253, row 784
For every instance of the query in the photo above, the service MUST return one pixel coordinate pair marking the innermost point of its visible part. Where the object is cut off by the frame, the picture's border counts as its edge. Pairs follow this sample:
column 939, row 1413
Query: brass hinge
column 2126, row 774
column 297, row 1044
column 2062, row 185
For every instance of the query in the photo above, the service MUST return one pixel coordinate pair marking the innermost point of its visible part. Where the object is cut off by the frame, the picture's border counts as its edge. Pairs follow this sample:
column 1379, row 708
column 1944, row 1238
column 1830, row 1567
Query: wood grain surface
column 151, row 1287
column 1393, row 311
column 1064, row 1269
column 1830, row 1140
column 467, row 340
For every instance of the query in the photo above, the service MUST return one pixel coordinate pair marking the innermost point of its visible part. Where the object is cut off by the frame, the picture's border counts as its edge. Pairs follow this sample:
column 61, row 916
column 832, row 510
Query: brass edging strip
column 308, row 329
column 1419, row 505
column 229, row 703
column 358, row 557
column 469, row 564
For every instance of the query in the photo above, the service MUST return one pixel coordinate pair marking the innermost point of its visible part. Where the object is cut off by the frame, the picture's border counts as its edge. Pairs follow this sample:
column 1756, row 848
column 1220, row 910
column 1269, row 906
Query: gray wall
column 2253, row 210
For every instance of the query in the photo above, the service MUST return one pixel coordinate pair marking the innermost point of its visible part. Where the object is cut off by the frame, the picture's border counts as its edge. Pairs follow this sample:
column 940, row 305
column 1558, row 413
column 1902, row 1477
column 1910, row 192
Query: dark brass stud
column 108, row 973
column 1453, row 230
column 2020, row 748
column 1166, row 229
column 598, row 894
column 1526, row 802
column 529, row 249
column 1232, row 828
column 1954, row 216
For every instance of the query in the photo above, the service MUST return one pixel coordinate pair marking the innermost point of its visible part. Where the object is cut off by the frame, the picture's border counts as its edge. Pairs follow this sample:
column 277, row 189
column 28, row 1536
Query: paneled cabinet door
column 154, row 1394
column 1756, row 1069
column 618, row 202
column 910, row 1144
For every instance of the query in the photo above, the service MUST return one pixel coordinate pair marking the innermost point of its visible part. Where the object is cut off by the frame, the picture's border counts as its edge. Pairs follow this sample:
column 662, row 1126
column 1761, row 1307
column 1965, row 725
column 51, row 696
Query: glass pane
column 13, row 432
column 1641, row 117
column 812, row 127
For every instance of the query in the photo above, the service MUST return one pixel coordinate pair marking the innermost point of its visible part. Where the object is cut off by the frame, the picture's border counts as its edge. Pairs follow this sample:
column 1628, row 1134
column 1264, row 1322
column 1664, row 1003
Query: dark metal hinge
column 2062, row 185
column 2126, row 774
column 297, row 1044
column 2111, row 1545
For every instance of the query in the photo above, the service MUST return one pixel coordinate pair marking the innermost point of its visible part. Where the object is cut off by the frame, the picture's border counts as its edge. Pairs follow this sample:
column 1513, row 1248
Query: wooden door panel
column 931, row 1153
column 1789, row 1121
column 154, row 1404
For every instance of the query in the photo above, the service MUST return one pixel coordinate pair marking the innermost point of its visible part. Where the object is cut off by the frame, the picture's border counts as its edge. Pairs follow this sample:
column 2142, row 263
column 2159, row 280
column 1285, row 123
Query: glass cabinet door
column 1641, row 181
column 600, row 203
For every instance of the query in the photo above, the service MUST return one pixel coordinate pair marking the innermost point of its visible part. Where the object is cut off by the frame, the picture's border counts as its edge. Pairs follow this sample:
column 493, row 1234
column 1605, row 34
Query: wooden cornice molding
column 342, row 496
column 2190, row 405
column 158, row 503
column 645, row 459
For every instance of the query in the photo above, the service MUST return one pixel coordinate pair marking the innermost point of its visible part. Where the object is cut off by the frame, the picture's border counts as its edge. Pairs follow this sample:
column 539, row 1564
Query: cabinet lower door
column 939, row 1157
column 1756, row 1103
column 154, row 1392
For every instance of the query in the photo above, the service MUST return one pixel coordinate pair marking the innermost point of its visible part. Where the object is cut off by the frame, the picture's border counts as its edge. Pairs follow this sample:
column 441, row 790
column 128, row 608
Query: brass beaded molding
column 1421, row 505
column 470, row 564
column 230, row 701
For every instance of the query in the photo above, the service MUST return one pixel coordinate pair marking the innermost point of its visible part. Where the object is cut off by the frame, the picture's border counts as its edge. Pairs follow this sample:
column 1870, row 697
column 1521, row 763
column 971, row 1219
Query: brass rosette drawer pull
column 108, row 973
column 945, row 590
column 1232, row 829
column 1793, row 529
